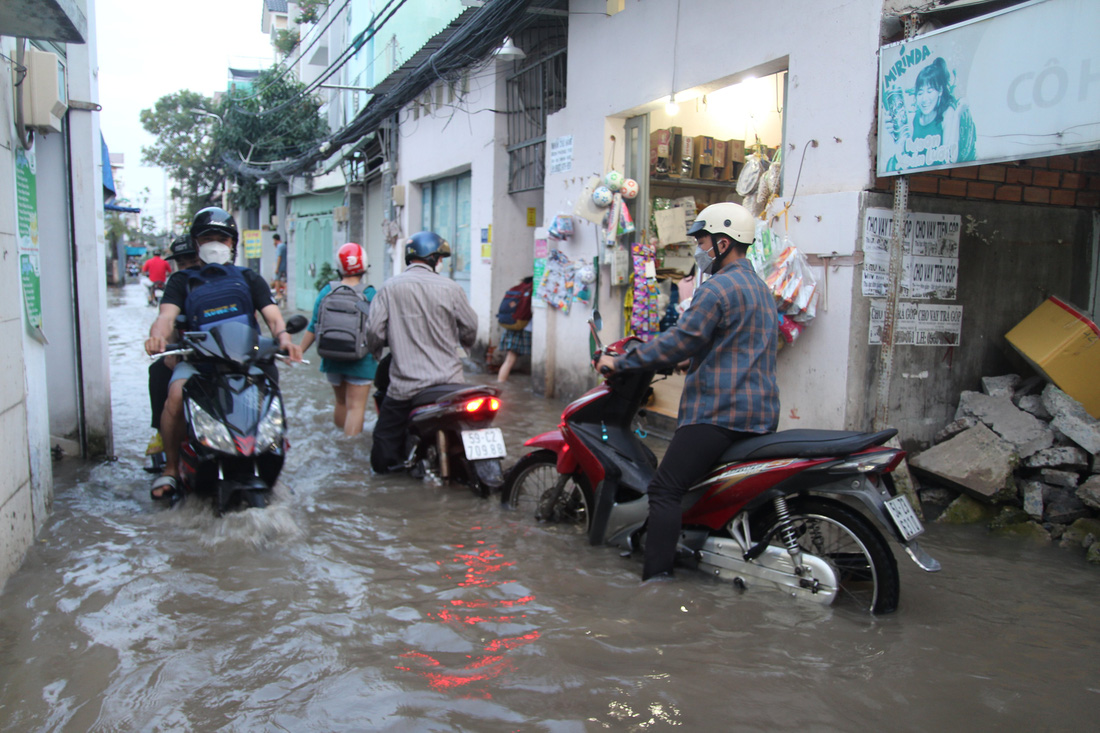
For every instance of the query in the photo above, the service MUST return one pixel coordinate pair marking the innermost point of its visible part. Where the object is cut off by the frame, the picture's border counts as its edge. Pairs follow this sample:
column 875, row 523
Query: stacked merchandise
column 644, row 319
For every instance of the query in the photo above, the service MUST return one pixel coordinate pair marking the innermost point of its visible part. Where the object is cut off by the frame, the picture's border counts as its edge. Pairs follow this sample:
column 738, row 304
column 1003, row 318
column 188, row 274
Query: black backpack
column 341, row 329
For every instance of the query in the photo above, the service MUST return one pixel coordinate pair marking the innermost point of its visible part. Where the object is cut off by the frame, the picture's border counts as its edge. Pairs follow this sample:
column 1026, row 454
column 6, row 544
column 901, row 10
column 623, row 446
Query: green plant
column 325, row 275
column 286, row 41
column 310, row 10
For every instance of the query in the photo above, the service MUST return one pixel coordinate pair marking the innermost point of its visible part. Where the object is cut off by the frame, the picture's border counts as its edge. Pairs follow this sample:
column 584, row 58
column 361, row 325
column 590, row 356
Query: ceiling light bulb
column 672, row 108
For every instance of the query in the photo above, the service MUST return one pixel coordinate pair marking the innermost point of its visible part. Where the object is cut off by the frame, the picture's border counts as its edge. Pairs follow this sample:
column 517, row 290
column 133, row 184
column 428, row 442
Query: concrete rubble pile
column 1021, row 456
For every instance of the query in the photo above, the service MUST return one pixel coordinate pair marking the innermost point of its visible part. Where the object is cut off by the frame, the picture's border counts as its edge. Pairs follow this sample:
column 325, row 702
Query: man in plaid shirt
column 730, row 335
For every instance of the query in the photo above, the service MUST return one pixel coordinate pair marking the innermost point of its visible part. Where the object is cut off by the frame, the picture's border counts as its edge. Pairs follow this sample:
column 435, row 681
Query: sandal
column 165, row 488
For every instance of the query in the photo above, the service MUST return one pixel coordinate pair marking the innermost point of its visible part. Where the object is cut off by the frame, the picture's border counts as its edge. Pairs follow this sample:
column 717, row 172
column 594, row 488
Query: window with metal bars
column 536, row 89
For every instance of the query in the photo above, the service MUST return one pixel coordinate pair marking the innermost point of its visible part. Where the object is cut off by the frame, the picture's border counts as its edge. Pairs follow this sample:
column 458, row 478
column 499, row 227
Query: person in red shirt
column 157, row 270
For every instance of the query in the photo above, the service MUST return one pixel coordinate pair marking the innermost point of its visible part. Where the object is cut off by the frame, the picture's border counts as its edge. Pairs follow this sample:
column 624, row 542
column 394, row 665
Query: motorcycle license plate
column 904, row 517
column 488, row 443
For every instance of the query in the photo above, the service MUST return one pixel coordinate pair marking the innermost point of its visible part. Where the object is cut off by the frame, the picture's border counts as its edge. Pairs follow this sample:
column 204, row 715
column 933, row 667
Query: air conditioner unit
column 44, row 99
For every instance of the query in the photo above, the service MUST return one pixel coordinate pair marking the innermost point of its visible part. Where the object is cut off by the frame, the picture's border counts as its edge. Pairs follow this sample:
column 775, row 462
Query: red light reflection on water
column 481, row 571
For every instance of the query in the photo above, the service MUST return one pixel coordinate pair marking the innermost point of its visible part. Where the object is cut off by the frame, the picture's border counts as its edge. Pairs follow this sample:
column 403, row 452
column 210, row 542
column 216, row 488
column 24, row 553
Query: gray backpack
column 341, row 330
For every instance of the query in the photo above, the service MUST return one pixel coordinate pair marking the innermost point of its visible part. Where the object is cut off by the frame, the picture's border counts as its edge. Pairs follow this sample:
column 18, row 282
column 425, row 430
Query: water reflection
column 476, row 568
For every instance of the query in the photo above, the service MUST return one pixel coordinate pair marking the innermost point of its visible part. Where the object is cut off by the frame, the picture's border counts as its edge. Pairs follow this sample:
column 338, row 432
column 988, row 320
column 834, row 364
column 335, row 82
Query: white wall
column 830, row 49
column 468, row 136
column 91, row 286
column 16, row 515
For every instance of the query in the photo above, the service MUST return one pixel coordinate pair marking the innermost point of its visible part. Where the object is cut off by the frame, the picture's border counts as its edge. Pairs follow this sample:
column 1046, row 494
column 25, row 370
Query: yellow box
column 1062, row 343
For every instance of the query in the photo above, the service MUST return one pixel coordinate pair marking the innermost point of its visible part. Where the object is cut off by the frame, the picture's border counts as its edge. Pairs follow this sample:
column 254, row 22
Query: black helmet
column 214, row 219
column 182, row 246
column 427, row 246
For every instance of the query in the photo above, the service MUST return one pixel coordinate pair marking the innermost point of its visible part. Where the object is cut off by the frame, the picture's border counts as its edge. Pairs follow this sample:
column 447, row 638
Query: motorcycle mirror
column 296, row 323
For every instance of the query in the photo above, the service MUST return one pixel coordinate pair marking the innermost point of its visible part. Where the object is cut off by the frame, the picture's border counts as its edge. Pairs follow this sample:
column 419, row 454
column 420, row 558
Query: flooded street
column 359, row 603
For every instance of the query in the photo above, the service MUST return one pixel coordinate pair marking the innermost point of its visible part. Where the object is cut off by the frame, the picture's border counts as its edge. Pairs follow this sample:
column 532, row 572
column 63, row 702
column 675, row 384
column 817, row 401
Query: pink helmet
column 351, row 259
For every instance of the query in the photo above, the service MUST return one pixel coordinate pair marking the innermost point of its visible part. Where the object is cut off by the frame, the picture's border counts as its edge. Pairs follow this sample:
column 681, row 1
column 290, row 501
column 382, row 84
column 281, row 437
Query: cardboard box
column 735, row 158
column 1061, row 343
column 660, row 145
column 720, row 154
column 676, row 154
column 702, row 164
column 736, row 150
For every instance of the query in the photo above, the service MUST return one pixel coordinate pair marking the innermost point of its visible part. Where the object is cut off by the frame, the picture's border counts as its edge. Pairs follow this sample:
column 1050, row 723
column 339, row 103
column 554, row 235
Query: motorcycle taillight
column 491, row 404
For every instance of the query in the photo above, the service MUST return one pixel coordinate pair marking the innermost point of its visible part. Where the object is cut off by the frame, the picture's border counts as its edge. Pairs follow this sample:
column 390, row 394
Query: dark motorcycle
column 779, row 510
column 449, row 433
column 236, row 424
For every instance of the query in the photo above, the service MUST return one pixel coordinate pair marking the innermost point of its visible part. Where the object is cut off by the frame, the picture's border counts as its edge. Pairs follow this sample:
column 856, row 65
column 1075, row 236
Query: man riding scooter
column 730, row 335
column 215, row 235
column 423, row 318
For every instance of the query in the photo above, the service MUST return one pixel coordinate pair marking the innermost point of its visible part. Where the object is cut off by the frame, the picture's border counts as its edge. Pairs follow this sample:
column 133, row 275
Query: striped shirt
column 423, row 317
column 730, row 333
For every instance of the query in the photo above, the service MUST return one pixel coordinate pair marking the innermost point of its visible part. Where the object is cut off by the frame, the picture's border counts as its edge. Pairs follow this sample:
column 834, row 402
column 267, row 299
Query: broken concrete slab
column 1028, row 433
column 1001, row 386
column 1066, row 457
column 1076, row 533
column 1071, row 419
column 965, row 510
column 1032, row 498
column 955, row 427
column 976, row 461
column 1063, row 507
column 1089, row 492
column 1033, row 405
column 1056, row 477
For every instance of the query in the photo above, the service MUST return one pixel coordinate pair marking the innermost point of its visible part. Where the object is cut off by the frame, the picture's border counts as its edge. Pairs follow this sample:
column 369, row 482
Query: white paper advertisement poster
column 918, row 324
column 1021, row 83
column 930, row 254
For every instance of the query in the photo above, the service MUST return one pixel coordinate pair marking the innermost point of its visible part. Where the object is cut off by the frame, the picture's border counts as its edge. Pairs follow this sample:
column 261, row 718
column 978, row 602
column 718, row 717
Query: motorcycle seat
column 441, row 392
column 805, row 444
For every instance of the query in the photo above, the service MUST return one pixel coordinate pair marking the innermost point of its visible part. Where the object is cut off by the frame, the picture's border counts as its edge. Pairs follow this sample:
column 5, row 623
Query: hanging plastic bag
column 769, row 184
column 749, row 178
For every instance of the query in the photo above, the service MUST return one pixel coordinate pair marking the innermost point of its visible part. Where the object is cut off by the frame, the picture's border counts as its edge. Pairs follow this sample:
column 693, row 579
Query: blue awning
column 135, row 251
column 123, row 209
column 108, row 176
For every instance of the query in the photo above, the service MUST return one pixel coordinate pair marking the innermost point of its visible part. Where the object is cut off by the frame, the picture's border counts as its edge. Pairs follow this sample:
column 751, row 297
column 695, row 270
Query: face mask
column 215, row 253
column 703, row 260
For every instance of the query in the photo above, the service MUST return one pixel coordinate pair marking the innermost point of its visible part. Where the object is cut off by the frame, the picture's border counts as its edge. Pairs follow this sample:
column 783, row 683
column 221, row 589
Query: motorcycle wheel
column 530, row 483
column 834, row 532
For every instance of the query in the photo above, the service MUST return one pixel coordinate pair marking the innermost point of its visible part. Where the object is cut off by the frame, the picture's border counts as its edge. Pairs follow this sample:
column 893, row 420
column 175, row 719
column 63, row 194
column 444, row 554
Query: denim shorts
column 336, row 379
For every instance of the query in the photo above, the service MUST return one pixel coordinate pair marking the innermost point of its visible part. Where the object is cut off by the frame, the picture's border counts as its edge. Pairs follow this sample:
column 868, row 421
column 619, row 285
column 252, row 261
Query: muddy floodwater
column 360, row 603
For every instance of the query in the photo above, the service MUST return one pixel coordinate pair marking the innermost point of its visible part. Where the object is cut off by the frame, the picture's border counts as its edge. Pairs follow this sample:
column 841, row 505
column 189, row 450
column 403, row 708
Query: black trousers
column 159, row 377
column 692, row 452
column 388, row 449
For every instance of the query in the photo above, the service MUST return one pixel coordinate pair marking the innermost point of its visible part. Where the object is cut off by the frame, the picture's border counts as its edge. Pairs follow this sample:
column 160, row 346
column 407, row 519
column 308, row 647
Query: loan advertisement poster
column 918, row 324
column 930, row 254
column 1020, row 83
column 26, row 216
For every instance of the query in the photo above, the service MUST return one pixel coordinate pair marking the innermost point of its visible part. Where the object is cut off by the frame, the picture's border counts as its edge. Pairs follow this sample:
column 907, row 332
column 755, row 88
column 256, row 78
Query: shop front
column 768, row 121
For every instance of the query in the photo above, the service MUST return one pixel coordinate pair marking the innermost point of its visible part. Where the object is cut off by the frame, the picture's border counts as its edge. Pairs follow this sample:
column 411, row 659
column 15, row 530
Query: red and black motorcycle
column 778, row 509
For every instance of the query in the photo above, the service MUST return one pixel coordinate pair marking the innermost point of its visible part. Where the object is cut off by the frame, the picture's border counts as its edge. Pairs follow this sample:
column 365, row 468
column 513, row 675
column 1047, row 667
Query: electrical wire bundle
column 470, row 44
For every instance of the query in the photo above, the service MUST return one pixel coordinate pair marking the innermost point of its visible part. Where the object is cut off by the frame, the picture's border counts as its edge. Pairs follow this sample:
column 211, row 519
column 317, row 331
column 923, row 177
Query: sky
column 149, row 48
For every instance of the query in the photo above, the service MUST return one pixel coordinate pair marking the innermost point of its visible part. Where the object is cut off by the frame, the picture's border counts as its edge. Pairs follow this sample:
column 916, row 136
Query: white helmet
column 733, row 220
